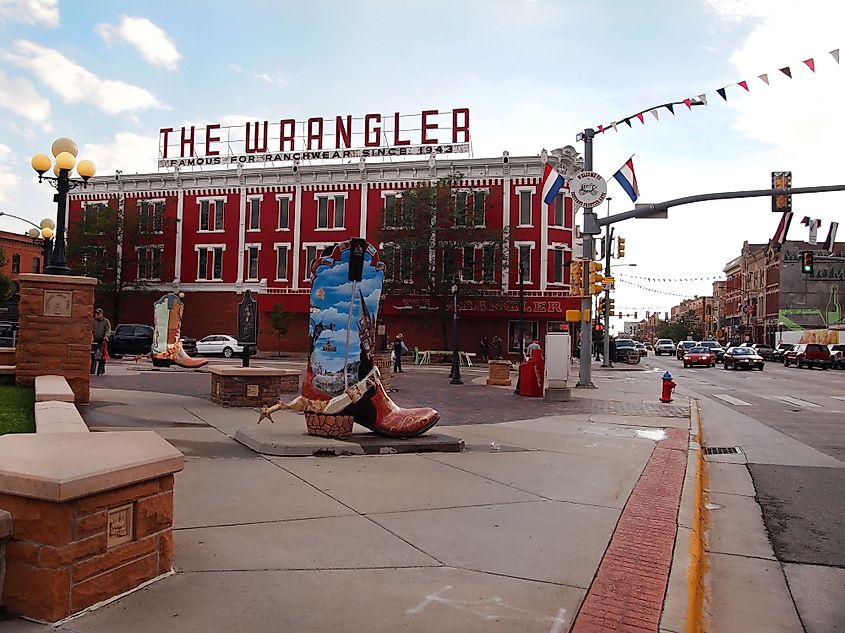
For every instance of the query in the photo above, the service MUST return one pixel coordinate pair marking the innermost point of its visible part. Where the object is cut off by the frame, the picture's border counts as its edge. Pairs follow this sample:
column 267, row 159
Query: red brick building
column 23, row 254
column 215, row 234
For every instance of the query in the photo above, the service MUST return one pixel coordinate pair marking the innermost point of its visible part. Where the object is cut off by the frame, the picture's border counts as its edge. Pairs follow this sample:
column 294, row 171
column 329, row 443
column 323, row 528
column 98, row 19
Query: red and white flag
column 783, row 228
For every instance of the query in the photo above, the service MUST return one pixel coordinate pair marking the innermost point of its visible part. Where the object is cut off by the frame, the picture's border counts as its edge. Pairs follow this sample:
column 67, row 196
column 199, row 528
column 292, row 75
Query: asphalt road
column 803, row 507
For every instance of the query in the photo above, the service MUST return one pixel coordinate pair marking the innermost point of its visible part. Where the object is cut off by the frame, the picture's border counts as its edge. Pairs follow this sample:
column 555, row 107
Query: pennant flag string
column 810, row 64
column 835, row 54
column 744, row 84
column 786, row 71
column 764, row 78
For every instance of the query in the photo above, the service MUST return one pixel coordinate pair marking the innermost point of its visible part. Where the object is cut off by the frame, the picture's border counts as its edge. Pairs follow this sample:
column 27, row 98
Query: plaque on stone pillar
column 58, row 303
column 120, row 525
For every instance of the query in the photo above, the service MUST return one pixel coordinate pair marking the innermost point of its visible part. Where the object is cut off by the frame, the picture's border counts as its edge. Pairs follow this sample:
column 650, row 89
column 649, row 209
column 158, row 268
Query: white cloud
column 130, row 153
column 8, row 180
column 76, row 84
column 37, row 12
column 151, row 41
column 235, row 67
column 19, row 95
column 277, row 78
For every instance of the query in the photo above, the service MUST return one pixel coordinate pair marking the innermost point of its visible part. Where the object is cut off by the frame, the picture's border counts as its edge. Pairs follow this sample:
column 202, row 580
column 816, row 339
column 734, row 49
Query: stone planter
column 251, row 386
column 499, row 372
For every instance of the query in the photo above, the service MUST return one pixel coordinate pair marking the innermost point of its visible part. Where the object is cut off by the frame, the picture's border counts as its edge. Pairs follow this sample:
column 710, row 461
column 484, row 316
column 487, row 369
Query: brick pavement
column 630, row 585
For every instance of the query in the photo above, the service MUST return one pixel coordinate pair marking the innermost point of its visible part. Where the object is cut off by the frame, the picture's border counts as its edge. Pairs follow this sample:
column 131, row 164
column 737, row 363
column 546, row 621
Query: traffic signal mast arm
column 647, row 210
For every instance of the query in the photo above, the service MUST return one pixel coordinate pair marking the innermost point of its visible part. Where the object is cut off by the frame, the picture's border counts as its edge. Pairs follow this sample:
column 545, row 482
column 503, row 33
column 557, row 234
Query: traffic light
column 782, row 180
column 620, row 247
column 611, row 306
column 807, row 262
column 596, row 278
column 601, row 306
column 576, row 278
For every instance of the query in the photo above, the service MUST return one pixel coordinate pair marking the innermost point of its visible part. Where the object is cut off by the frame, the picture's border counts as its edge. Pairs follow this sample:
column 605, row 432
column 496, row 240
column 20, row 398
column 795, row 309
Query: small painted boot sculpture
column 342, row 384
column 167, row 345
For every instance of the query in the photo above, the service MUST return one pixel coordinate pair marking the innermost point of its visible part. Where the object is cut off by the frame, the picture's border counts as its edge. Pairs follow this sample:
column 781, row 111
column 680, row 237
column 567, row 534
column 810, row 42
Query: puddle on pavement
column 713, row 506
column 609, row 430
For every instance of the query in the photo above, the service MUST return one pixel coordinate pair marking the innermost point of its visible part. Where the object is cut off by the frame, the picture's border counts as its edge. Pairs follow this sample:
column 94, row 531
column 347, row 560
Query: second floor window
column 558, row 211
column 210, row 263
column 330, row 212
column 525, row 208
column 284, row 214
column 557, row 266
column 16, row 263
column 149, row 262
column 468, row 269
column 398, row 262
column 211, row 215
column 151, row 216
column 254, row 221
column 525, row 260
column 281, row 262
column 461, row 208
column 488, row 261
column 252, row 263
column 479, row 202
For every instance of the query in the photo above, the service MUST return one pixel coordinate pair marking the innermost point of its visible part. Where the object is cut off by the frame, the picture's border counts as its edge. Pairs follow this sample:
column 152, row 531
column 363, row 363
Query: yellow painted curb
column 698, row 561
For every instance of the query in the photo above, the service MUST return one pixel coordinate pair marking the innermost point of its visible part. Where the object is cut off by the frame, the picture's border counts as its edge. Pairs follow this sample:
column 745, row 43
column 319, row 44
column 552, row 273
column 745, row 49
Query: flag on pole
column 628, row 180
column 552, row 182
column 783, row 228
column 831, row 237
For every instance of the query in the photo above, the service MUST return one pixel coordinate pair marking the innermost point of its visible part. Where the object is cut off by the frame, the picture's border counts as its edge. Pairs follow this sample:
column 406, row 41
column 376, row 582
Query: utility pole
column 590, row 228
column 608, row 249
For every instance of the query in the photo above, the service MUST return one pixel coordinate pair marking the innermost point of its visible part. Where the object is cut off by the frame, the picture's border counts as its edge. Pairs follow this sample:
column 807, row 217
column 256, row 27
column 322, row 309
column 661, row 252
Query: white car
column 220, row 344
column 664, row 346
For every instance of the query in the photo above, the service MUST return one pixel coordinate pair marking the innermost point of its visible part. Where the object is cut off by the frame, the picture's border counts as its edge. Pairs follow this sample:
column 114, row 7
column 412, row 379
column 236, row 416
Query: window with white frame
column 488, row 262
column 558, row 210
column 479, row 204
column 312, row 252
column 210, row 263
column 461, row 198
column 330, row 211
column 468, row 261
column 557, row 265
column 149, row 262
column 524, row 250
column 92, row 215
column 151, row 216
column 254, row 213
column 282, row 251
column 211, row 215
column 283, row 223
column 398, row 262
column 252, row 251
column 391, row 209
column 525, row 206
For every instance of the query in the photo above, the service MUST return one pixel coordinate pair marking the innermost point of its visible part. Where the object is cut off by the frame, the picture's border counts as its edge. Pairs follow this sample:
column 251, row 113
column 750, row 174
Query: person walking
column 398, row 347
column 531, row 347
column 485, row 349
column 101, row 331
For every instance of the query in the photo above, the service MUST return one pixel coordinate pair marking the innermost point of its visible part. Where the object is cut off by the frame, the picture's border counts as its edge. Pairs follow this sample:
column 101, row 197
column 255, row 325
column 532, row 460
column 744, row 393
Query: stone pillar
column 55, row 330
column 385, row 367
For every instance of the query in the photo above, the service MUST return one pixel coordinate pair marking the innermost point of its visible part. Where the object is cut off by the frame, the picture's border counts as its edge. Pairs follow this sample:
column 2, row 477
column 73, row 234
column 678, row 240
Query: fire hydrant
column 668, row 386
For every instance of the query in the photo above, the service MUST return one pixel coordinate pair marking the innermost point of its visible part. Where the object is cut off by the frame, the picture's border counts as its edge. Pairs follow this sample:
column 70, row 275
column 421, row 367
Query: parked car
column 766, row 351
column 683, row 348
column 808, row 355
column 747, row 357
column 715, row 347
column 643, row 350
column 664, row 346
column 132, row 339
column 699, row 355
column 221, row 344
column 626, row 351
column 189, row 345
column 8, row 334
column 780, row 350
column 837, row 356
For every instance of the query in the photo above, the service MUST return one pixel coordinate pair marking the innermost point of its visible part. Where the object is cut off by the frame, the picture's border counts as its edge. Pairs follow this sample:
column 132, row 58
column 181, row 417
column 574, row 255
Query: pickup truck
column 808, row 355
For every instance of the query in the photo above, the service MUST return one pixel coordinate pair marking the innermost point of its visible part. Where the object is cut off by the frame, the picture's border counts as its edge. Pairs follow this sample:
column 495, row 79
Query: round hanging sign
column 588, row 189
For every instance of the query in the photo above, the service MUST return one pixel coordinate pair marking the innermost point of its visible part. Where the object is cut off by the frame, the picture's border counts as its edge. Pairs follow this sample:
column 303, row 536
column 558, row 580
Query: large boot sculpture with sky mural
column 167, row 345
column 342, row 382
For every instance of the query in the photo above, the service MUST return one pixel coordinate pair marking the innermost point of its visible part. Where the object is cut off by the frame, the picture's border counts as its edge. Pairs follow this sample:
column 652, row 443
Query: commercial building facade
column 215, row 234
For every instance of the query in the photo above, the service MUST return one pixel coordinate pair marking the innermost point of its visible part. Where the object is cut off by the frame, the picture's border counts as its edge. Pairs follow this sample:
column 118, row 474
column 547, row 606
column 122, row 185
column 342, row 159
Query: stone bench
column 58, row 417
column 92, row 516
column 251, row 386
column 53, row 388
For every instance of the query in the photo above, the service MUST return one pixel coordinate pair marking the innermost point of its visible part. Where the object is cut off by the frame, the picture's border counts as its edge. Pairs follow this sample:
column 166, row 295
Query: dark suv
column 808, row 355
column 135, row 339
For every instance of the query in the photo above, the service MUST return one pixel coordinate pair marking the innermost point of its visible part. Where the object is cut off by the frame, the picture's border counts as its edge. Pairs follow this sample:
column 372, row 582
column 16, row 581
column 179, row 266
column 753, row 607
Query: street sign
column 588, row 189
column 248, row 320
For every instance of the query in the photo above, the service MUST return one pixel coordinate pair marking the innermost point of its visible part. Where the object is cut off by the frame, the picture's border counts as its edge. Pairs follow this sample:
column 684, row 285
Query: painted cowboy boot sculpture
column 167, row 344
column 342, row 382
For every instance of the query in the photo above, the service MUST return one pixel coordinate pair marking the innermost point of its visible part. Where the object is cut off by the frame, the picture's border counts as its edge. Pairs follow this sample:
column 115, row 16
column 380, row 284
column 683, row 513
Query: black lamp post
column 43, row 232
column 521, row 317
column 64, row 150
column 455, row 374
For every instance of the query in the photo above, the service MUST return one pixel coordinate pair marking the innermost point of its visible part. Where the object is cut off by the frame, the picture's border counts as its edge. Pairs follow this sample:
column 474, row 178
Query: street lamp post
column 44, row 232
column 64, row 150
column 455, row 374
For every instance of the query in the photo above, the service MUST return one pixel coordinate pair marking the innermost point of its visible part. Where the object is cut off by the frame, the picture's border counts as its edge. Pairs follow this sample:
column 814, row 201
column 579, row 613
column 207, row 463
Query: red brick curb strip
column 627, row 593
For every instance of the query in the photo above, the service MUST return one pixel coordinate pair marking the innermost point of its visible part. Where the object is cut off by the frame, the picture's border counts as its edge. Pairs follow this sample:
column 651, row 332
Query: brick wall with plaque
column 54, row 335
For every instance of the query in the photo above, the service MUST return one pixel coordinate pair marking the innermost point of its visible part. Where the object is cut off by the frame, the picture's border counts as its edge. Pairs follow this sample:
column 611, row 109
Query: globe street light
column 64, row 150
column 44, row 232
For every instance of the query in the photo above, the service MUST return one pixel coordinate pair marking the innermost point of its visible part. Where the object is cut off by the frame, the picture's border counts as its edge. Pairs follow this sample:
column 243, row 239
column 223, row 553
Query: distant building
column 23, row 254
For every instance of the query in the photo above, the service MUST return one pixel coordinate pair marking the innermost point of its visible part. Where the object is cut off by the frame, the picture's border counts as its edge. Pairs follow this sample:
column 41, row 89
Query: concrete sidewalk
column 537, row 519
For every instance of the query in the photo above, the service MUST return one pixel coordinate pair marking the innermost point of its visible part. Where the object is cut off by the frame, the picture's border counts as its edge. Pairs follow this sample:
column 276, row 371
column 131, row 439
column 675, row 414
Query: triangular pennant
column 613, row 125
column 640, row 117
column 810, row 64
column 764, row 78
column 723, row 93
column 653, row 113
column 703, row 99
column 835, row 54
column 744, row 84
column 688, row 103
column 628, row 121
column 601, row 129
column 671, row 108
column 786, row 71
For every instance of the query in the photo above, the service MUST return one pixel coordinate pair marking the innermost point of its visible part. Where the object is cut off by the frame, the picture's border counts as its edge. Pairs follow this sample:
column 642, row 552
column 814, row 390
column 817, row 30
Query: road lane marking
column 798, row 402
column 838, row 397
column 731, row 400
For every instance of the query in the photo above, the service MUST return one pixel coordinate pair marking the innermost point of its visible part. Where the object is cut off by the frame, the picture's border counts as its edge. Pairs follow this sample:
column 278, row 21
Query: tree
column 435, row 234
column 102, row 243
column 677, row 330
column 6, row 284
column 280, row 319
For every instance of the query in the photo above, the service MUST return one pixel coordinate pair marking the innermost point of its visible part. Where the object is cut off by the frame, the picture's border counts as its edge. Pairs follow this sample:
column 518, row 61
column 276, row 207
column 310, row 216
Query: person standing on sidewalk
column 101, row 331
column 612, row 352
column 398, row 347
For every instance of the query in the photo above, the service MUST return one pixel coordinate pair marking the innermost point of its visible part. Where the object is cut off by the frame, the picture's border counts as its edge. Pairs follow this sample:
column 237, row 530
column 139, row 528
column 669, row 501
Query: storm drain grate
column 722, row 450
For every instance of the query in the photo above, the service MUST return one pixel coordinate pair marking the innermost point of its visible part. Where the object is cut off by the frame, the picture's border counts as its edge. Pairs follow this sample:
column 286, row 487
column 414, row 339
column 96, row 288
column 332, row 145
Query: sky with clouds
column 533, row 72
